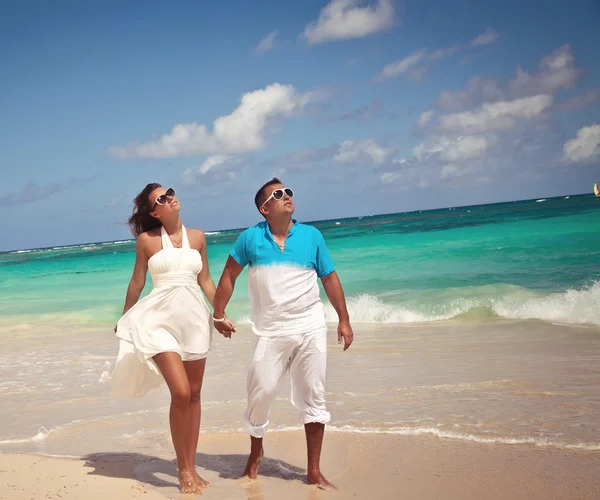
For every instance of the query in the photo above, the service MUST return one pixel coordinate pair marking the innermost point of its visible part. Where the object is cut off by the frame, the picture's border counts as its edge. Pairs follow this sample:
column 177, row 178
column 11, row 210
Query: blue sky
column 362, row 107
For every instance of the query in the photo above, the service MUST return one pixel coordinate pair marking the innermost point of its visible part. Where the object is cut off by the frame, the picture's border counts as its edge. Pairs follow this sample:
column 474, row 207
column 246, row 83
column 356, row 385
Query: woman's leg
column 173, row 371
column 195, row 375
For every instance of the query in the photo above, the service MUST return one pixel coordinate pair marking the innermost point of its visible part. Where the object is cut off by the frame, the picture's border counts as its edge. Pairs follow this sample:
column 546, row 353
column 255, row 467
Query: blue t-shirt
column 282, row 285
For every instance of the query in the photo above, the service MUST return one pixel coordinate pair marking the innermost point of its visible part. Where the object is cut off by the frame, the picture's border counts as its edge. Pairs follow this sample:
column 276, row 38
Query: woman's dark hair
column 141, row 220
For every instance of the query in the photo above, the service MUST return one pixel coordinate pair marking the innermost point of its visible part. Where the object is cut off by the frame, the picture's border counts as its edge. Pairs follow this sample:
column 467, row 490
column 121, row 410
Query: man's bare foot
column 317, row 479
column 203, row 483
column 254, row 460
column 187, row 483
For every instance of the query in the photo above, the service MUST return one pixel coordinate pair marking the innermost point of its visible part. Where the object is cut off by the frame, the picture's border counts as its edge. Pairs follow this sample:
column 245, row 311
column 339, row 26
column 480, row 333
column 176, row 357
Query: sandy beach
column 364, row 466
column 495, row 409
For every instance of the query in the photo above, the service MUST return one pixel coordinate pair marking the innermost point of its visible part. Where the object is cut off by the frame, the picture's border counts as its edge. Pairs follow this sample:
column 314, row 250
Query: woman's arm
column 138, row 279
column 204, row 279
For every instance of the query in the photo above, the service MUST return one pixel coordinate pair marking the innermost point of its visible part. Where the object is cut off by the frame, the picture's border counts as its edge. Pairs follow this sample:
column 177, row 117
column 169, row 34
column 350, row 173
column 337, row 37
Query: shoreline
column 500, row 382
column 364, row 466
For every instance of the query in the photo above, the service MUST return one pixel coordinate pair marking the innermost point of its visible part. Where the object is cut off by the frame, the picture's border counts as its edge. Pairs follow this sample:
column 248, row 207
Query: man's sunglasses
column 277, row 195
column 162, row 199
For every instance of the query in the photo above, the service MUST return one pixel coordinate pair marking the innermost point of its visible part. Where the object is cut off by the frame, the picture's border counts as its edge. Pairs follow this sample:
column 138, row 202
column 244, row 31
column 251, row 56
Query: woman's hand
column 225, row 327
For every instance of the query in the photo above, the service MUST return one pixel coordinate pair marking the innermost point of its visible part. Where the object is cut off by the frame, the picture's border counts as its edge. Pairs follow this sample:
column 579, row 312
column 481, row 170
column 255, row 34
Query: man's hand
column 225, row 328
column 345, row 332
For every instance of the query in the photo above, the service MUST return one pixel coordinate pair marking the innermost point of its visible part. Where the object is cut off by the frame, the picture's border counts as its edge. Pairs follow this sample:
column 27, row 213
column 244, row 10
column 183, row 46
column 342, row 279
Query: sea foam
column 572, row 307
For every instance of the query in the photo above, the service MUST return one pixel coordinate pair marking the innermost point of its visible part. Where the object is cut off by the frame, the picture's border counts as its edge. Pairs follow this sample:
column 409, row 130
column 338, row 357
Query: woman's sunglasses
column 162, row 199
column 277, row 194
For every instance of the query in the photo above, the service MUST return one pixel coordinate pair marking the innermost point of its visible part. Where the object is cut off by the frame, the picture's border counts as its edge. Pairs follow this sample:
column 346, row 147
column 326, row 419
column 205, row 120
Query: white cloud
column 401, row 66
column 362, row 151
column 488, row 36
column 585, row 146
column 502, row 115
column 438, row 54
column 416, row 74
column 267, row 43
column 213, row 161
column 425, row 118
column 422, row 152
column 189, row 176
column 462, row 176
column 448, row 171
column 32, row 191
column 455, row 150
column 346, row 19
column 243, row 130
column 399, row 161
column 557, row 71
column 211, row 164
column 465, row 148
column 389, row 177
column 477, row 90
column 407, row 64
column 580, row 101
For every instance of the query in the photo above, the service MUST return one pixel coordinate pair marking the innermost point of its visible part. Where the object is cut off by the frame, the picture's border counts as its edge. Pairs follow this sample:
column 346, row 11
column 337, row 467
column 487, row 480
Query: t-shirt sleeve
column 240, row 251
column 324, row 262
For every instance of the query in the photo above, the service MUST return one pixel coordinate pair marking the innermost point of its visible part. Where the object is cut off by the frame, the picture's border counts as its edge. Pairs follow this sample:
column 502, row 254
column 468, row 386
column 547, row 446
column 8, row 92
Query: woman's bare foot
column 254, row 460
column 317, row 479
column 203, row 483
column 187, row 483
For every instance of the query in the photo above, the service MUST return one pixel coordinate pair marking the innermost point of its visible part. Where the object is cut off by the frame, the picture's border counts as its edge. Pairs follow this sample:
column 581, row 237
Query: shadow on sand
column 161, row 473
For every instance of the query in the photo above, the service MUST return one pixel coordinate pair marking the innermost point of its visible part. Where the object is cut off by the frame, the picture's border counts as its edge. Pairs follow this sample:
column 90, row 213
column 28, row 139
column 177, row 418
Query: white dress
column 174, row 317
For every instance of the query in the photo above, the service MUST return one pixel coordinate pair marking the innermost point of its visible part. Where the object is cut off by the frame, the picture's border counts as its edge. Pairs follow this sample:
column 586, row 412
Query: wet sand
column 365, row 466
column 473, row 410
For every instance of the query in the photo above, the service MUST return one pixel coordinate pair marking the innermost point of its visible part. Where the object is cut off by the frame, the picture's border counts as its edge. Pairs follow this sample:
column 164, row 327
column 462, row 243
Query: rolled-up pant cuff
column 257, row 431
column 321, row 418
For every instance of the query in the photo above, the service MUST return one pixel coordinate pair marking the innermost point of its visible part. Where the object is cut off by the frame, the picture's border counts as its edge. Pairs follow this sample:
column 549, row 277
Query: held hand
column 345, row 332
column 115, row 329
column 225, row 327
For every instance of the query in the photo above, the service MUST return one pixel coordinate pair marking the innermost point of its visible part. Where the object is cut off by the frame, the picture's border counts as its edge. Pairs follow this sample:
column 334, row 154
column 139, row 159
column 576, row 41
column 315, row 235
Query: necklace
column 176, row 243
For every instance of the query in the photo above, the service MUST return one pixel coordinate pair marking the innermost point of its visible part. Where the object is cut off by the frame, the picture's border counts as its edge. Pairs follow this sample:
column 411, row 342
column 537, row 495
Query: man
column 285, row 260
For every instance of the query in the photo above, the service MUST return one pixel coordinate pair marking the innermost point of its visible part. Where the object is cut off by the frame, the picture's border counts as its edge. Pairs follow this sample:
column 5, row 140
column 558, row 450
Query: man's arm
column 224, row 292
column 335, row 294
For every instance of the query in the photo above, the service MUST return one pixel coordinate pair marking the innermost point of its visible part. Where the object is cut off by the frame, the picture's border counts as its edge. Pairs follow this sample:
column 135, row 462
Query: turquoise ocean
column 536, row 259
column 476, row 323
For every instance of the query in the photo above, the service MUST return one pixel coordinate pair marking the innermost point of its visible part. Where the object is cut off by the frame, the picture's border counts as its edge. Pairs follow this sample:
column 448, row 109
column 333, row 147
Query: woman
column 169, row 331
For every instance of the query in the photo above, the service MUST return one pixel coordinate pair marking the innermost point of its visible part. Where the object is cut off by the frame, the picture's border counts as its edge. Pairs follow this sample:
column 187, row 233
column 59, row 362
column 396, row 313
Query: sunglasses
column 162, row 199
column 277, row 195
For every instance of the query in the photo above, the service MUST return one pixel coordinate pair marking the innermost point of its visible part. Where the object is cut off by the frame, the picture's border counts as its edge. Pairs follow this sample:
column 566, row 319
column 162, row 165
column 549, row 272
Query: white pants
column 305, row 357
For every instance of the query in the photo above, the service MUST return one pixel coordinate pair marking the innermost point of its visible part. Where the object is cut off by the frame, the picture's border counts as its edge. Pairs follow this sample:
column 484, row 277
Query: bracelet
column 219, row 320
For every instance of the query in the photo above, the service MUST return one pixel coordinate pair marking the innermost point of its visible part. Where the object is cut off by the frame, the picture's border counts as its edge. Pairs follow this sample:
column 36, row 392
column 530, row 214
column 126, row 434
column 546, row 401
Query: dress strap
column 185, row 243
column 166, row 241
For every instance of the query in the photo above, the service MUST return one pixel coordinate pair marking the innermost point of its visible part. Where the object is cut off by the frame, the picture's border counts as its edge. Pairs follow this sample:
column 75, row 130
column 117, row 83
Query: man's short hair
column 260, row 196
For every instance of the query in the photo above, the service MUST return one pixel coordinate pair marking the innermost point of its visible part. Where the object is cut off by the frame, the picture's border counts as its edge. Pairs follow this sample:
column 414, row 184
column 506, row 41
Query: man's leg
column 254, row 458
column 307, row 372
column 265, row 375
column 314, row 441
